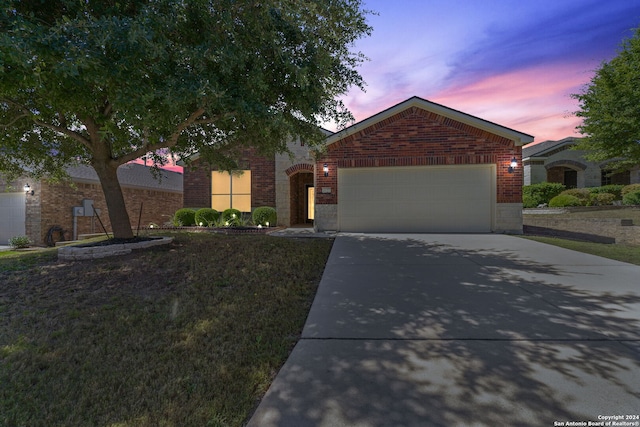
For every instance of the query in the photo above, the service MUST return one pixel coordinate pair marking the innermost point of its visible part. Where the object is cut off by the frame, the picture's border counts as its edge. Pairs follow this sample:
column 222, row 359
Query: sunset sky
column 513, row 62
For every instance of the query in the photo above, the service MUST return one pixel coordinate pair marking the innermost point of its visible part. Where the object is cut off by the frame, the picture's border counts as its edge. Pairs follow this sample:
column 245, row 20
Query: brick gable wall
column 416, row 137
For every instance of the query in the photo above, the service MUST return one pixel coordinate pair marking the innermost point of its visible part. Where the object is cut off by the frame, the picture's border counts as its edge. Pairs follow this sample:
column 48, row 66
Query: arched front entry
column 567, row 172
column 301, row 194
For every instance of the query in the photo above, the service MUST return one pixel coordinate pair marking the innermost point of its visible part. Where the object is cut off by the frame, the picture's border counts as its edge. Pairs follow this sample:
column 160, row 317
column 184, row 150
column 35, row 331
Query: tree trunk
column 120, row 223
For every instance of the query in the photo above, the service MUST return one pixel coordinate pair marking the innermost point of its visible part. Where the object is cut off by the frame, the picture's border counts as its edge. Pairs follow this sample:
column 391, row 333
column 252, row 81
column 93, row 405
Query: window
column 621, row 178
column 231, row 190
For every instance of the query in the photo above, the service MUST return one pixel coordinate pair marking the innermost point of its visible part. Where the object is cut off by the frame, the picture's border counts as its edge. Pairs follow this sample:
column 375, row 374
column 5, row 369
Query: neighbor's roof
column 196, row 156
column 132, row 175
column 519, row 138
column 541, row 149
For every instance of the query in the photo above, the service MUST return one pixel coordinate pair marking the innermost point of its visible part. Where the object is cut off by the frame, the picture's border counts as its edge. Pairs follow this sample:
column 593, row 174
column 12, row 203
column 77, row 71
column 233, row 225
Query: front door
column 570, row 178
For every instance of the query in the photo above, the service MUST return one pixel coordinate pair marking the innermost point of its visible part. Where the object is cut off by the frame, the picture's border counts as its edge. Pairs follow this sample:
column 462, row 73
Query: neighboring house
column 48, row 206
column 415, row 167
column 556, row 161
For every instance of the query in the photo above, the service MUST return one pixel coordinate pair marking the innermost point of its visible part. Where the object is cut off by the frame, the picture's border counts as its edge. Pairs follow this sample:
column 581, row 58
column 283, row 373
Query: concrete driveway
column 463, row 330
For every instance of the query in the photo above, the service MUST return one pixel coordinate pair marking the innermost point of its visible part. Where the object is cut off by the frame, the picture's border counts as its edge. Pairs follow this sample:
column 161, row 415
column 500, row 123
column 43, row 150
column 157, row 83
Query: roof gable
column 547, row 148
column 518, row 138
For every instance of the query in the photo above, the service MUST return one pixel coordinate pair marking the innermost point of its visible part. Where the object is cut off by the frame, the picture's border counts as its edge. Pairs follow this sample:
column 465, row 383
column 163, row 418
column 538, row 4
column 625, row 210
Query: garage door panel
column 423, row 199
column 12, row 212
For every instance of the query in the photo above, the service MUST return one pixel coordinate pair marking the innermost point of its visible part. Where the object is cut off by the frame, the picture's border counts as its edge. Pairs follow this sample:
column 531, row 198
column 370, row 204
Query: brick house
column 557, row 161
column 48, row 205
column 415, row 167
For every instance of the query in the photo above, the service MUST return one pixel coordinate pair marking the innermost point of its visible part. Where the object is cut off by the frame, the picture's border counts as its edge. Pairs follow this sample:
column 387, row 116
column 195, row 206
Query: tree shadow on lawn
column 452, row 336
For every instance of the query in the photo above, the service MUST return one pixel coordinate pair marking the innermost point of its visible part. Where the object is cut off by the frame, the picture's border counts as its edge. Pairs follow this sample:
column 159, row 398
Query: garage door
column 12, row 212
column 416, row 199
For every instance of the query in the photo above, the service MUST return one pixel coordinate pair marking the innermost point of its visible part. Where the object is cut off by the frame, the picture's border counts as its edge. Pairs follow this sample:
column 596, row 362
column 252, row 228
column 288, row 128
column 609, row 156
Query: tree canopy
column 106, row 82
column 610, row 109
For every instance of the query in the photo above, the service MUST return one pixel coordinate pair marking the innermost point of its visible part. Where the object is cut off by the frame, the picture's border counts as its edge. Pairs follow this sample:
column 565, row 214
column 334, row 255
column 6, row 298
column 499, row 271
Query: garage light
column 513, row 165
column 325, row 168
column 27, row 190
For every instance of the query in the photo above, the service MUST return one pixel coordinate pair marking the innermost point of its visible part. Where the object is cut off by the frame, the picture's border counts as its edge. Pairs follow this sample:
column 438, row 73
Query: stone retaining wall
column 623, row 231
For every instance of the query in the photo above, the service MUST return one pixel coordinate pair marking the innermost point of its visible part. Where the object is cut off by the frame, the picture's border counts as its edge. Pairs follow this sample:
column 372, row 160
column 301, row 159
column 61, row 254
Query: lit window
column 231, row 190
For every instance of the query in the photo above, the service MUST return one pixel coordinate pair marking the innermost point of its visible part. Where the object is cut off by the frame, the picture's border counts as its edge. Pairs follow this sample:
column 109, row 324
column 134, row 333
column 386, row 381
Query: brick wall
column 197, row 186
column 197, row 181
column 416, row 137
column 57, row 200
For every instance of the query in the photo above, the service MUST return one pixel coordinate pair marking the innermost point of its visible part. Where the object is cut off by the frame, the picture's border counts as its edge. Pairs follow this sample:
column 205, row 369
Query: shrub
column 529, row 202
column 265, row 214
column 185, row 217
column 18, row 242
column 582, row 194
column 564, row 200
column 614, row 189
column 629, row 189
column 206, row 217
column 601, row 199
column 632, row 198
column 537, row 194
column 231, row 216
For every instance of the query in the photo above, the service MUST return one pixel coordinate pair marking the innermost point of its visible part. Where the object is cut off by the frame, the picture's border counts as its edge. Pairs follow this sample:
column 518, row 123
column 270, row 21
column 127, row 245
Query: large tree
column 610, row 108
column 104, row 82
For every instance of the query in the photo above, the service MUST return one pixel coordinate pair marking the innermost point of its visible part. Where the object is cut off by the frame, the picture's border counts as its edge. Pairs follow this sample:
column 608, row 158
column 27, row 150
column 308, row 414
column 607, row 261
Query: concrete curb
column 75, row 253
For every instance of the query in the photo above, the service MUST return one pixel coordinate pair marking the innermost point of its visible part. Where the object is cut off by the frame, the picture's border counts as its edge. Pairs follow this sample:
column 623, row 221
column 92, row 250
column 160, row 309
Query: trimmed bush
column 564, row 200
column 185, row 217
column 232, row 216
column 538, row 194
column 632, row 198
column 632, row 188
column 19, row 242
column 529, row 202
column 601, row 199
column 265, row 214
column 614, row 189
column 206, row 216
column 581, row 193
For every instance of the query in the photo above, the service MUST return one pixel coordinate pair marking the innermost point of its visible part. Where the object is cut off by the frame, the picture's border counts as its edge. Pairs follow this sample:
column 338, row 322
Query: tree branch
column 28, row 114
column 68, row 132
column 171, row 141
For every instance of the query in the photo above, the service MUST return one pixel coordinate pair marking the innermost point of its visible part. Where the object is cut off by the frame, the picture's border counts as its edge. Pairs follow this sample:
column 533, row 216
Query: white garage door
column 12, row 213
column 416, row 199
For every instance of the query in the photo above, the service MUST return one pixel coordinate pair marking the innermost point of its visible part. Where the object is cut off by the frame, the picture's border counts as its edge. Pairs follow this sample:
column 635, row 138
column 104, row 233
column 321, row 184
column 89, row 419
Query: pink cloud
column 536, row 101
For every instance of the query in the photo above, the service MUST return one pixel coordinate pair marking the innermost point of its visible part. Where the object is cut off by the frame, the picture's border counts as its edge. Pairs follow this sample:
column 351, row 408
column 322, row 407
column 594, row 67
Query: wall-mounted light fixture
column 27, row 190
column 513, row 165
column 325, row 169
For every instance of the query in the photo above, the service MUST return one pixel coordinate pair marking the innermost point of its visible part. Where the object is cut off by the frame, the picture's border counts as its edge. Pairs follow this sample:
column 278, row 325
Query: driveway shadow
column 421, row 332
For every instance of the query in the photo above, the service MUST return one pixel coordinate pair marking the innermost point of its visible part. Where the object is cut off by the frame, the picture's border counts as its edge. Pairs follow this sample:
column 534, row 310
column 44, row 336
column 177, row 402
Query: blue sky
column 513, row 62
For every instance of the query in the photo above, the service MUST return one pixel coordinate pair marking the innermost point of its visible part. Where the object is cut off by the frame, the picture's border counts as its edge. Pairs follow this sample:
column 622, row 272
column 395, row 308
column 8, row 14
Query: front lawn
column 187, row 334
column 625, row 253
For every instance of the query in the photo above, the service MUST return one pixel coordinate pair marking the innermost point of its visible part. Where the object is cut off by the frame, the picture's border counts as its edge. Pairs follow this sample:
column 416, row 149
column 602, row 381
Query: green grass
column 188, row 334
column 624, row 253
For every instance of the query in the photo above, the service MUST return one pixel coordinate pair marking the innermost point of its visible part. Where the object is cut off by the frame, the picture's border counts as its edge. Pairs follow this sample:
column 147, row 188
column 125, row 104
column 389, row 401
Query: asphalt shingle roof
column 533, row 150
column 133, row 175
